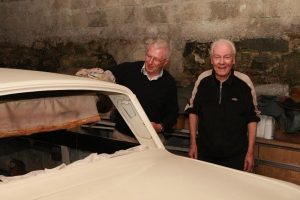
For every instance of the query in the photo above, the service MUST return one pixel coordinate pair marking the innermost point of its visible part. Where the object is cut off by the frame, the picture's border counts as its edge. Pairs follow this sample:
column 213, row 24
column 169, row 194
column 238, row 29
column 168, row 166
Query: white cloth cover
column 94, row 157
column 25, row 117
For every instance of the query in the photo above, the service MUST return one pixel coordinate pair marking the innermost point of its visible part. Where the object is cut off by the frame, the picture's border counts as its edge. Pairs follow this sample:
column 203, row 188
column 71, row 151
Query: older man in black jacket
column 224, row 114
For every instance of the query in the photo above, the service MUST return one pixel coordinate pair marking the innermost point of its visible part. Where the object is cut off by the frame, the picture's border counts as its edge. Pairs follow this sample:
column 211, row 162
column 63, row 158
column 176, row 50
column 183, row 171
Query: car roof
column 14, row 81
column 17, row 80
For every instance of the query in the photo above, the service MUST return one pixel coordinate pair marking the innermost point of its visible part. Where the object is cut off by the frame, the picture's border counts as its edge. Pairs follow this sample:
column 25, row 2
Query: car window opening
column 57, row 132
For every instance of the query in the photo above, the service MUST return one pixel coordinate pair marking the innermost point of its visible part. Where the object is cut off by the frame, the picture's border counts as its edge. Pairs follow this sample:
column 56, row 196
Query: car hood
column 148, row 174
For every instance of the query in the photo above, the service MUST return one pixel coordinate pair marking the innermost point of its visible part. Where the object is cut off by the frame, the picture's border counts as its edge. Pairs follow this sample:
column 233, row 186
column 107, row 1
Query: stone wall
column 266, row 60
column 55, row 56
column 61, row 34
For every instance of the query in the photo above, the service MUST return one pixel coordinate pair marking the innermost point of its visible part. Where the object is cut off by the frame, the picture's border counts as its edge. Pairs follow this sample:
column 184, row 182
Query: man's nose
column 151, row 60
column 222, row 60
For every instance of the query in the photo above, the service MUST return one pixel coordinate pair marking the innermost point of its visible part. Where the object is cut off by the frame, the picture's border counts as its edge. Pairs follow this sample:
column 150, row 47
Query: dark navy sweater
column 158, row 97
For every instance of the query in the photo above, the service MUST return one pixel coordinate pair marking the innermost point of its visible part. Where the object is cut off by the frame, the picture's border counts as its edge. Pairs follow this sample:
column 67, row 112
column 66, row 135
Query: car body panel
column 147, row 174
column 151, row 173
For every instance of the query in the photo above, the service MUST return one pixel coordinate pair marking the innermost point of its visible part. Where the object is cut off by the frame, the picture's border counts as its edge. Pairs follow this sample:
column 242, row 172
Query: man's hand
column 157, row 127
column 249, row 162
column 193, row 150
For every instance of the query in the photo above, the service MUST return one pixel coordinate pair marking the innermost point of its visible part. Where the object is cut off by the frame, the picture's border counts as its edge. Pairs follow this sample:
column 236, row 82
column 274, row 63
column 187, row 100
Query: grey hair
column 224, row 41
column 159, row 43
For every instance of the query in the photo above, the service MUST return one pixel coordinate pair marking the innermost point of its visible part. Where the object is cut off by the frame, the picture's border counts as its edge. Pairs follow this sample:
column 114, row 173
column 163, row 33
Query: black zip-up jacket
column 224, row 112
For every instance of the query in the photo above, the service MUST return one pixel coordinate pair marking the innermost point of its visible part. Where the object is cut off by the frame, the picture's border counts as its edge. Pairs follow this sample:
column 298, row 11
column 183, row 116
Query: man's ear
column 166, row 62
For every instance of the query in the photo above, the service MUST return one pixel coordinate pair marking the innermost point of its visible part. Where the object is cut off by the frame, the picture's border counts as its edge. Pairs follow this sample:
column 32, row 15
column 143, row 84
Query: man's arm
column 249, row 159
column 204, row 74
column 252, row 120
column 193, row 123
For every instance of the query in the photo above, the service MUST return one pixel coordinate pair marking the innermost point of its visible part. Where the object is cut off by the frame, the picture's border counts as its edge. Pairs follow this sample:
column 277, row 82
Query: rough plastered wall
column 126, row 24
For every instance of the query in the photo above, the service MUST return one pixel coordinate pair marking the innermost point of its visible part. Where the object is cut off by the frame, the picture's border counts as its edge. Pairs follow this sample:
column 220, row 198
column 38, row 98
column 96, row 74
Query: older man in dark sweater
column 154, row 87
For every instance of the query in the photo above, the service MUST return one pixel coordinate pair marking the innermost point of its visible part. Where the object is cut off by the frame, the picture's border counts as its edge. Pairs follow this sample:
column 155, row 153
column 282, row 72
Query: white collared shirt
column 154, row 77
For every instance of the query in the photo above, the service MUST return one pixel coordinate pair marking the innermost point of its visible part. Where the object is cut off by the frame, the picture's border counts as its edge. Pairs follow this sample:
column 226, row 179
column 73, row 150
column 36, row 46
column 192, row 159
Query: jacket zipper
column 220, row 95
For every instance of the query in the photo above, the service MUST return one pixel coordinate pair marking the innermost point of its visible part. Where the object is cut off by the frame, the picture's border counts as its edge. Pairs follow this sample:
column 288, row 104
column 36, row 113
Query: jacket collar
column 143, row 71
column 229, row 79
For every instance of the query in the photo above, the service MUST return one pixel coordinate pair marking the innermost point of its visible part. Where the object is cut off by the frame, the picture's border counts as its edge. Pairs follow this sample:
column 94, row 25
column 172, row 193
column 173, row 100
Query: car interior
column 74, row 125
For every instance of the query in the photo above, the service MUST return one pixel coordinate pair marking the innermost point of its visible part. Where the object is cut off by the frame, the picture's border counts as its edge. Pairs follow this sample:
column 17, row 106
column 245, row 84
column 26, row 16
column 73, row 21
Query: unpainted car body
column 148, row 171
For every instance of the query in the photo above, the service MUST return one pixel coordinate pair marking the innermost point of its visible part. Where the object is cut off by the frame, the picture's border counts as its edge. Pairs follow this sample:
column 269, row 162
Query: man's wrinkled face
column 222, row 59
column 155, row 60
